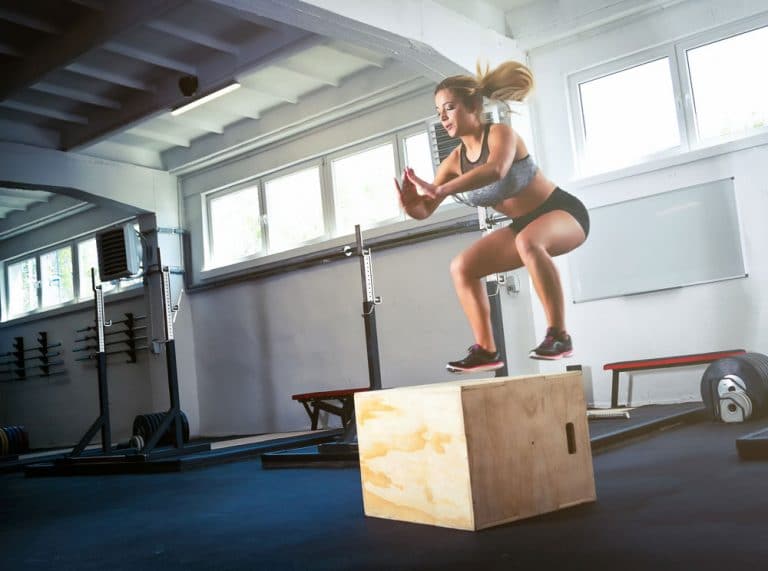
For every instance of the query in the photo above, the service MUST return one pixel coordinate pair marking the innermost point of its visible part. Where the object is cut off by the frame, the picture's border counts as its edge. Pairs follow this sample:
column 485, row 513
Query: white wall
column 690, row 320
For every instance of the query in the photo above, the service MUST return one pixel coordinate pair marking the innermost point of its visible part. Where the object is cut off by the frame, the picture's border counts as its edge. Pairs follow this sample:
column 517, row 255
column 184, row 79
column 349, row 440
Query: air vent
column 441, row 144
column 118, row 251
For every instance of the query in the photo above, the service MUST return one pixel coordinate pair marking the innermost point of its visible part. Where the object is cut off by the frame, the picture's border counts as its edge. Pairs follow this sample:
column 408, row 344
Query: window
column 52, row 278
column 317, row 200
column 696, row 92
column 418, row 155
column 730, row 96
column 56, row 279
column 22, row 287
column 627, row 116
column 363, row 189
column 294, row 209
column 235, row 225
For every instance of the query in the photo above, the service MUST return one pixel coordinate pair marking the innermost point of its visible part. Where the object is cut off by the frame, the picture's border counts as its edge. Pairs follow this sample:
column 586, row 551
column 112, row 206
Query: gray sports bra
column 519, row 175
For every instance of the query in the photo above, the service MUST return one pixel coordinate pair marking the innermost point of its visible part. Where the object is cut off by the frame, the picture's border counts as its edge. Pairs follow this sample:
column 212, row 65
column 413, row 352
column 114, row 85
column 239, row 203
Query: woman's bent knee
column 529, row 249
column 458, row 267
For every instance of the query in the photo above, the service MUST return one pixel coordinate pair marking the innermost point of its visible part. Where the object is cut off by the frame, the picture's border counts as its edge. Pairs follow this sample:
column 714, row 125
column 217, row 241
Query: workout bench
column 661, row 363
column 315, row 402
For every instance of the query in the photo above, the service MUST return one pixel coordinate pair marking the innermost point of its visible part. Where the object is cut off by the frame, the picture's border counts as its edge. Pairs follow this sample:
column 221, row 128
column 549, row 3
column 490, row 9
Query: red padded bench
column 662, row 363
column 340, row 403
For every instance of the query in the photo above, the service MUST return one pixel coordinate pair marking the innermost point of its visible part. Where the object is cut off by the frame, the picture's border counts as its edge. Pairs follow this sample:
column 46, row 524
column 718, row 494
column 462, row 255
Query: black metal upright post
column 493, row 288
column 348, row 443
column 170, row 359
column 497, row 322
column 174, row 412
column 102, row 422
column 370, row 300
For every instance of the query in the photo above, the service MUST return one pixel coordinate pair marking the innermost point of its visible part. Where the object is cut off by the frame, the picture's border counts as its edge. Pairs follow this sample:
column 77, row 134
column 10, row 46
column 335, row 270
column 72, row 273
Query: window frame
column 7, row 286
column 449, row 210
column 348, row 151
column 75, row 280
column 611, row 68
column 712, row 36
column 37, row 254
column 404, row 134
column 676, row 50
column 274, row 175
column 208, row 238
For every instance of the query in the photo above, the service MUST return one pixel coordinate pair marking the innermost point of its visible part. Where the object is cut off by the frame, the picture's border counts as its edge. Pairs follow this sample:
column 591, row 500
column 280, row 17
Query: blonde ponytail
column 509, row 81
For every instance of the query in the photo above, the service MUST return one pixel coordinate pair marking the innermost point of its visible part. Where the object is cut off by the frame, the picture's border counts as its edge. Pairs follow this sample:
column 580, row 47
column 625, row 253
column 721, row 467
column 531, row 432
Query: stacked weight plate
column 13, row 440
column 751, row 368
column 145, row 425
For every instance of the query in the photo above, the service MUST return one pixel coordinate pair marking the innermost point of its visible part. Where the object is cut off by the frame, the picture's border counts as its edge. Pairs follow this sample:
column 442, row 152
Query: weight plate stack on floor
column 752, row 368
column 3, row 443
column 13, row 440
column 145, row 425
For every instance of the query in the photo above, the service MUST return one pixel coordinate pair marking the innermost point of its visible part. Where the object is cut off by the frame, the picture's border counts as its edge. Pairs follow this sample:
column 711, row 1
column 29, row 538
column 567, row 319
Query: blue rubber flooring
column 679, row 500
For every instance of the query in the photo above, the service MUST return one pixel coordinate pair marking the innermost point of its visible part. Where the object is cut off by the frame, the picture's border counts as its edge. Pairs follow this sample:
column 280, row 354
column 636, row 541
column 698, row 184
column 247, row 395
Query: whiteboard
column 677, row 238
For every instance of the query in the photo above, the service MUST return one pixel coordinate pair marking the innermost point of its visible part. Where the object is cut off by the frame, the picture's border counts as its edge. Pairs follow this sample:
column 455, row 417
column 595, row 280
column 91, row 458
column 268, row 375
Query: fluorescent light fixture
column 197, row 102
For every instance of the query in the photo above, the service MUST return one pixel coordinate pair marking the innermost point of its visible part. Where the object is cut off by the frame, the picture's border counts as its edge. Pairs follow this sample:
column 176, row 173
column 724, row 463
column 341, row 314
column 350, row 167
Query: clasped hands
column 410, row 184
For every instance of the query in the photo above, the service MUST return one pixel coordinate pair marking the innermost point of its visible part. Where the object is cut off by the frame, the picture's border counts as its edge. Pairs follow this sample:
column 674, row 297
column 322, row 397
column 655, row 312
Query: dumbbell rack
column 29, row 362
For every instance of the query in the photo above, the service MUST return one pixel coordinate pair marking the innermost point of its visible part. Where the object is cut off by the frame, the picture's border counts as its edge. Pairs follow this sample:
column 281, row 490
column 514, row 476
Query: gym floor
column 679, row 499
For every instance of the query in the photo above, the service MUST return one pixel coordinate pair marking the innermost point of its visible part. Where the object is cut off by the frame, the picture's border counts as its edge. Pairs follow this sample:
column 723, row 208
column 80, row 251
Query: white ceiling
column 100, row 77
column 16, row 200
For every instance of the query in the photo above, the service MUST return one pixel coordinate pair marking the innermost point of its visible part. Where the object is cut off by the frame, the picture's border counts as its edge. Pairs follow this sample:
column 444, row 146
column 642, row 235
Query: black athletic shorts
column 558, row 200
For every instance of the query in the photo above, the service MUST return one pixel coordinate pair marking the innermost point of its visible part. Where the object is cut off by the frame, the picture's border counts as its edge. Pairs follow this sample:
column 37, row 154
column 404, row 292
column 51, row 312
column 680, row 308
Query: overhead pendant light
column 211, row 96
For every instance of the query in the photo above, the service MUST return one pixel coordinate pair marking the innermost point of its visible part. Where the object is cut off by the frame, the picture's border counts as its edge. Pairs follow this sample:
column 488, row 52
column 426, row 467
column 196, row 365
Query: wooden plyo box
column 474, row 454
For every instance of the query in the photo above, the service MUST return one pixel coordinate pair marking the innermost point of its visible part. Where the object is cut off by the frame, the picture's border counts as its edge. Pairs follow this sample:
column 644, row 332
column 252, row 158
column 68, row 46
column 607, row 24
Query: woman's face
column 456, row 118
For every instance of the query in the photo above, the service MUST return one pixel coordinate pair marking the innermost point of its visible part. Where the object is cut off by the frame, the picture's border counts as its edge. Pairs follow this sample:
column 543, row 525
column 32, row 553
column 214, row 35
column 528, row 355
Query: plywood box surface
column 474, row 454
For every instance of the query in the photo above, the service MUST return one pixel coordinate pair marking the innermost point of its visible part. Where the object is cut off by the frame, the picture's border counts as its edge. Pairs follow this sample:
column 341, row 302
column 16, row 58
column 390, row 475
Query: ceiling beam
column 92, row 4
column 253, row 84
column 307, row 71
column 9, row 50
column 88, row 33
column 236, row 108
column 28, row 21
column 44, row 111
column 76, row 95
column 194, row 36
column 193, row 122
column 36, row 195
column 358, row 53
column 149, row 57
column 153, row 135
column 16, row 202
column 213, row 74
column 109, row 77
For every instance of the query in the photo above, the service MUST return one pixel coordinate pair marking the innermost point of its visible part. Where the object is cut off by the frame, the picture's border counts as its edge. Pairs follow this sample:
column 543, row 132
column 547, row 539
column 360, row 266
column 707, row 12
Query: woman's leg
column 493, row 253
column 552, row 234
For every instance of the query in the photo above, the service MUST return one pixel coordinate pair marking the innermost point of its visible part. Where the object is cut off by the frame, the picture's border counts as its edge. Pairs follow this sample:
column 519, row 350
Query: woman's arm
column 421, row 205
column 502, row 143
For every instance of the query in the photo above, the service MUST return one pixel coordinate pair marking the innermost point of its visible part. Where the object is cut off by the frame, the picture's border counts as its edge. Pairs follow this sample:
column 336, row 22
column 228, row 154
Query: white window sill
column 72, row 307
column 679, row 158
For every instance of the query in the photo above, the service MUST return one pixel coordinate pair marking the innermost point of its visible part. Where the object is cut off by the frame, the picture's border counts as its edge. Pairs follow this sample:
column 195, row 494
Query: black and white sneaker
column 477, row 360
column 556, row 345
